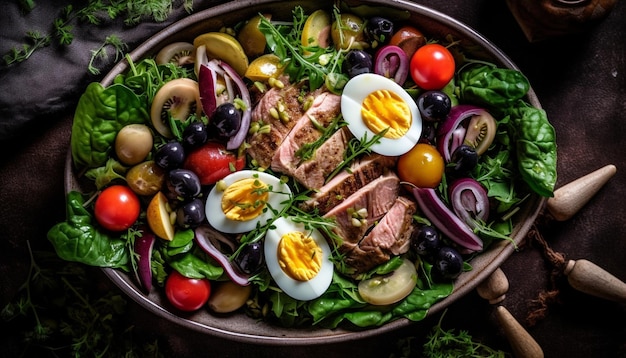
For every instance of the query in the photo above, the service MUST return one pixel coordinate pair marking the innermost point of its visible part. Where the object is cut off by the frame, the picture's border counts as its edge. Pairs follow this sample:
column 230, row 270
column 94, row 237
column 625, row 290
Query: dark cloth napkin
column 580, row 80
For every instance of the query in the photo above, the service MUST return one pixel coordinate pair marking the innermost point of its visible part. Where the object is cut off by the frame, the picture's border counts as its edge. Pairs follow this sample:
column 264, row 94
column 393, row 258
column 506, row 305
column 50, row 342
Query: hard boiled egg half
column 298, row 259
column 371, row 103
column 244, row 199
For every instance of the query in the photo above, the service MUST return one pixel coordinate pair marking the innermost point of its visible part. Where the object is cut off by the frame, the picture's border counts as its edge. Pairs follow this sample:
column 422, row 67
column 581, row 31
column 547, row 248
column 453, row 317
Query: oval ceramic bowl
column 239, row 327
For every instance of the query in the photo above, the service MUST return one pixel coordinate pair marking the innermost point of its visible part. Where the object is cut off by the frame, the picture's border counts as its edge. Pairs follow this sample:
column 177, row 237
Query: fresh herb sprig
column 59, row 311
column 356, row 148
column 35, row 40
column 316, row 64
column 94, row 12
column 442, row 343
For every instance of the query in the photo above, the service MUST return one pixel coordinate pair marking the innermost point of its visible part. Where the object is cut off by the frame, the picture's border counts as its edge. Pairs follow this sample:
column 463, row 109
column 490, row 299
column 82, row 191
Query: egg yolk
column 244, row 199
column 383, row 109
column 299, row 256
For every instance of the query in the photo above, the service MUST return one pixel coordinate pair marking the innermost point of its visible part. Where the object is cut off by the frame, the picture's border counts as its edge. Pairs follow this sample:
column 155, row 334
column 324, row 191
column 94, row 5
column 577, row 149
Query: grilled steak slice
column 376, row 198
column 312, row 173
column 324, row 109
column 391, row 236
column 264, row 145
column 347, row 182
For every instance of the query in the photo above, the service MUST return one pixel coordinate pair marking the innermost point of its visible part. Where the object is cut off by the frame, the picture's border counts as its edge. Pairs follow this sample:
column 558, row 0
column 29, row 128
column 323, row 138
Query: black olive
column 379, row 29
column 449, row 263
column 434, row 105
column 429, row 133
column 250, row 258
column 357, row 62
column 190, row 214
column 462, row 161
column 426, row 241
column 184, row 183
column 195, row 135
column 225, row 121
column 170, row 155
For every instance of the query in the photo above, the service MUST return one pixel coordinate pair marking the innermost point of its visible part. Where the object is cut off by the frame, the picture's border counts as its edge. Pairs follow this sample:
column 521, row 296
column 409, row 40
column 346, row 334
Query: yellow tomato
column 421, row 166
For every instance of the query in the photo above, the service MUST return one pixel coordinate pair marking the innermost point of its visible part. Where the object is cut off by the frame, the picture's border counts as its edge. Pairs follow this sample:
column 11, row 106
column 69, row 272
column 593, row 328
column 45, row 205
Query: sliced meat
column 347, row 182
column 263, row 146
column 312, row 173
column 390, row 236
column 324, row 109
column 376, row 198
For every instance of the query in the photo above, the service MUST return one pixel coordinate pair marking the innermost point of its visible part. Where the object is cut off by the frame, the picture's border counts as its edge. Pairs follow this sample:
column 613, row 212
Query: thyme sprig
column 356, row 148
column 442, row 343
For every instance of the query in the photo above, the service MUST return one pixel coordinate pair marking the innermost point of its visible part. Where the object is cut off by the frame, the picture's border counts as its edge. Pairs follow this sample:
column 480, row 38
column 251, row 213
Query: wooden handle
column 522, row 343
column 570, row 198
column 494, row 288
column 587, row 277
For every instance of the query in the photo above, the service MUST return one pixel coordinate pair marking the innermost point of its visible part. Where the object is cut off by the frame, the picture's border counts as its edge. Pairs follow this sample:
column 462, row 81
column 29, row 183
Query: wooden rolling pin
column 494, row 290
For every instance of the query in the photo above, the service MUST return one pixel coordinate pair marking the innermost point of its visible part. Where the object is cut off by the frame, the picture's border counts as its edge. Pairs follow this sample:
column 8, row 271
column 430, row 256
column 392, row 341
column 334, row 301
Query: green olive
column 228, row 297
column 347, row 32
column 133, row 143
column 145, row 178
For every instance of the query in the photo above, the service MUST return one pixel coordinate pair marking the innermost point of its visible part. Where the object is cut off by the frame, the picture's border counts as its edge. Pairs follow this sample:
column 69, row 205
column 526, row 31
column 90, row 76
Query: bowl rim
column 487, row 263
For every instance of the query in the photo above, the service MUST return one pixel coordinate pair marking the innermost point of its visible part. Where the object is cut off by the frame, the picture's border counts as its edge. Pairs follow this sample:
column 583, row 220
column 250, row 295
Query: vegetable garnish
column 482, row 150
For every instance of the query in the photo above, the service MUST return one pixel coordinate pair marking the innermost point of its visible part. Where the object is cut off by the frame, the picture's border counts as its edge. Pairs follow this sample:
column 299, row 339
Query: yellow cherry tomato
column 421, row 166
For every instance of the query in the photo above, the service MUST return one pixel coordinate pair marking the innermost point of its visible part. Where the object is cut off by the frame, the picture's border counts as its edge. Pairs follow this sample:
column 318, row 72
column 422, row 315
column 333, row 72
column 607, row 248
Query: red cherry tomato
column 117, row 208
column 187, row 294
column 432, row 66
column 212, row 162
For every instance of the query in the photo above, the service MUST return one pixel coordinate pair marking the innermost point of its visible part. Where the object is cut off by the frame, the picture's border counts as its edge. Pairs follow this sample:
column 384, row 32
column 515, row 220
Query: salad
column 334, row 169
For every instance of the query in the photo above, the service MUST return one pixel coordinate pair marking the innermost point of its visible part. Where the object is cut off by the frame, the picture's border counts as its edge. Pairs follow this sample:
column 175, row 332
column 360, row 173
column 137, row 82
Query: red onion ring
column 469, row 201
column 447, row 135
column 445, row 220
column 235, row 141
column 206, row 237
column 391, row 61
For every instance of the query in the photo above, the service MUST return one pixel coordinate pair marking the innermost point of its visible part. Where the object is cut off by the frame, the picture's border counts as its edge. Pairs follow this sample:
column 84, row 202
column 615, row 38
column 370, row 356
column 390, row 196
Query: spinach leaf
column 490, row 86
column 535, row 142
column 100, row 114
column 196, row 265
column 78, row 240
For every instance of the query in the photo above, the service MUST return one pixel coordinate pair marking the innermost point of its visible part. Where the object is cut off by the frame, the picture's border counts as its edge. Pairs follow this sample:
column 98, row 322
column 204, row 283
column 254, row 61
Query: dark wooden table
column 581, row 82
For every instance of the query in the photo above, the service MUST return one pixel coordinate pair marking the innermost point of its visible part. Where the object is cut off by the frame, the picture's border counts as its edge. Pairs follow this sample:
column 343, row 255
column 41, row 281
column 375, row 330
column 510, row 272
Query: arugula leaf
column 285, row 42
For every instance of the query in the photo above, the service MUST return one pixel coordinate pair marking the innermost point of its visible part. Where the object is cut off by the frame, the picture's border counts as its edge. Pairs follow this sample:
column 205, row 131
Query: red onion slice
column 392, row 62
column 143, row 248
column 445, row 220
column 205, row 236
column 469, row 201
column 235, row 141
column 454, row 126
column 207, row 80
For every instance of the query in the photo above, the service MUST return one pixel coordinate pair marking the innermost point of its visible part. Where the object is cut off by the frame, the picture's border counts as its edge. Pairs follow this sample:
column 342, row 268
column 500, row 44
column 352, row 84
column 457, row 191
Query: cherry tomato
column 187, row 294
column 117, row 208
column 422, row 166
column 212, row 162
column 432, row 66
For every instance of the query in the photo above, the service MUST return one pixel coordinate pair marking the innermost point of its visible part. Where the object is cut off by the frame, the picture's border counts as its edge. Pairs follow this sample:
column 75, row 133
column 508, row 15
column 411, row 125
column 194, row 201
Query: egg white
column 299, row 290
column 279, row 194
column 355, row 92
